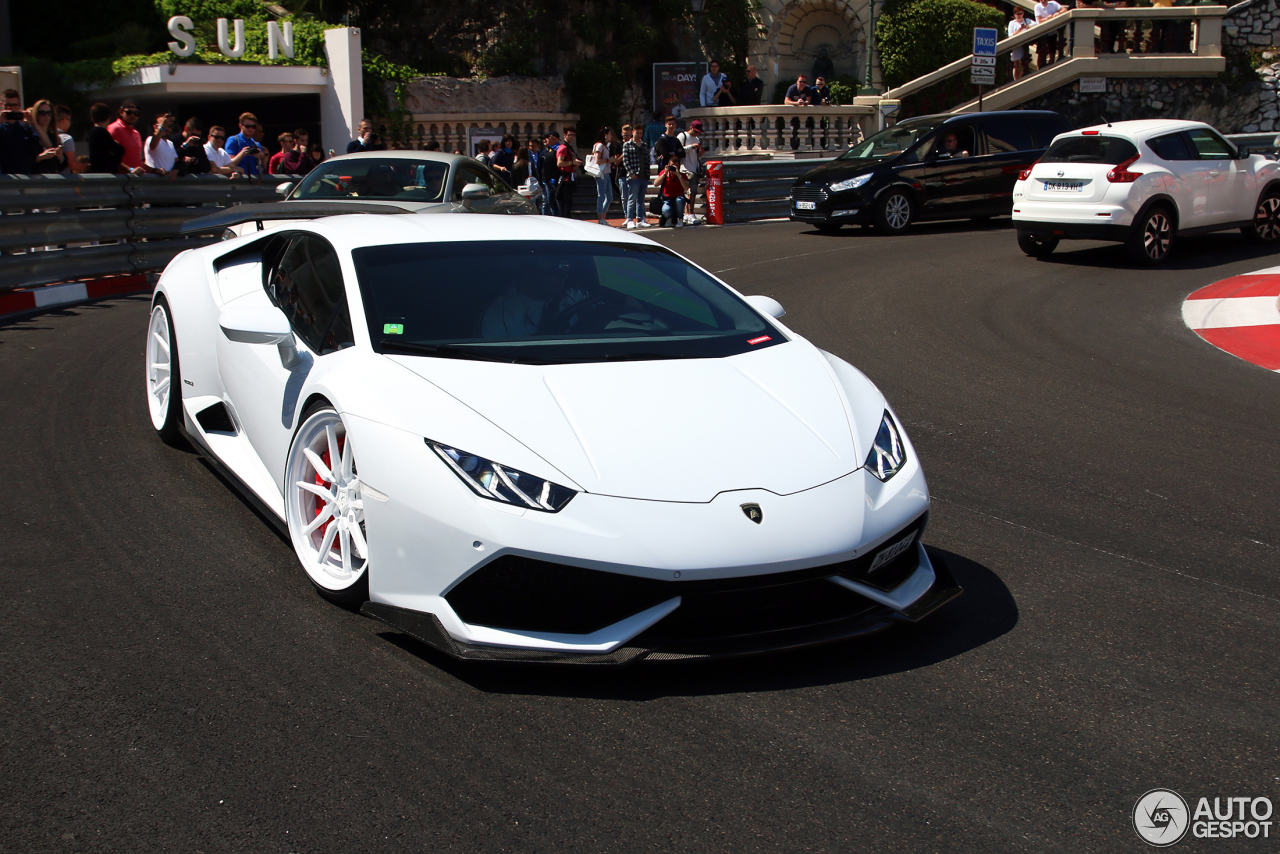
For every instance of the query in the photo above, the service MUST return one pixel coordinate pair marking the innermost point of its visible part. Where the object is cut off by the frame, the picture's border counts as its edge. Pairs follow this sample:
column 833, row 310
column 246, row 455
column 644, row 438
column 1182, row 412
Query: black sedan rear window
column 1107, row 150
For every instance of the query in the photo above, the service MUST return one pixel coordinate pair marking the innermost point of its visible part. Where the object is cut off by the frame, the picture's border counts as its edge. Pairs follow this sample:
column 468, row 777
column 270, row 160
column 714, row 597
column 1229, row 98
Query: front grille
column 802, row 193
column 524, row 594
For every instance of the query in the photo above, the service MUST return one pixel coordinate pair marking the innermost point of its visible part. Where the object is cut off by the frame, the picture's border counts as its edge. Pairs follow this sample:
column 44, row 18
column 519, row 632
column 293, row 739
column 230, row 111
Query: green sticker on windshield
column 393, row 329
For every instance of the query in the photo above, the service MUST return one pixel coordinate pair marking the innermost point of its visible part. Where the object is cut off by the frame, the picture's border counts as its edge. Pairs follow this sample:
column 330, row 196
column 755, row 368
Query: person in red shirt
column 286, row 145
column 291, row 159
column 122, row 130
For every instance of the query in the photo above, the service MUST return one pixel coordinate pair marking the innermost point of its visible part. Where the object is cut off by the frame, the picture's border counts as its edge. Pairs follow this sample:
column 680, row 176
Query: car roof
column 949, row 118
column 438, row 156
column 1141, row 129
column 354, row 231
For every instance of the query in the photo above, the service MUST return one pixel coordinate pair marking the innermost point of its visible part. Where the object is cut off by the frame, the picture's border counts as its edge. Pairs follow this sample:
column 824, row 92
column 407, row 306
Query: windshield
column 891, row 142
column 543, row 302
column 1104, row 150
column 375, row 178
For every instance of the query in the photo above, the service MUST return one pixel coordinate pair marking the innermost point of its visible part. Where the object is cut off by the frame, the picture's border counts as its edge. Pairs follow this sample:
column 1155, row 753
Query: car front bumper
column 605, row 573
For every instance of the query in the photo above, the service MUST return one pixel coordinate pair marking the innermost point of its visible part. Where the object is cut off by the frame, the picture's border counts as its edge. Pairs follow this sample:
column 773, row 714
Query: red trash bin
column 715, row 192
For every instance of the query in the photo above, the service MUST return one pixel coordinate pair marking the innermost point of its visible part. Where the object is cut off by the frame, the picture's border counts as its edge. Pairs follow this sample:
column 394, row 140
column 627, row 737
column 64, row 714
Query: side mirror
column 251, row 324
column 766, row 305
column 283, row 189
column 474, row 191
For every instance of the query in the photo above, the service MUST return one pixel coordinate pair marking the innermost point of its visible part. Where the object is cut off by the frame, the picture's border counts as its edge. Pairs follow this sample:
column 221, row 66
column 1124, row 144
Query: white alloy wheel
column 324, row 508
column 1151, row 243
column 164, row 392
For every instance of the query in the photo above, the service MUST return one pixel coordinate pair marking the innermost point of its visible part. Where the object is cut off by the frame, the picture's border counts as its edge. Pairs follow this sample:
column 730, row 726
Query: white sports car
column 529, row 438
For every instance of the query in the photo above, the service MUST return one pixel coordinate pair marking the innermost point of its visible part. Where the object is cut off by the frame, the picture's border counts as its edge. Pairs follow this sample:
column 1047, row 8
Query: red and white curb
column 1240, row 315
column 18, row 302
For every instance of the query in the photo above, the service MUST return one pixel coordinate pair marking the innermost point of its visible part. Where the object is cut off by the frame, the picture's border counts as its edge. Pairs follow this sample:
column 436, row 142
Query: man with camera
column 20, row 147
column 715, row 88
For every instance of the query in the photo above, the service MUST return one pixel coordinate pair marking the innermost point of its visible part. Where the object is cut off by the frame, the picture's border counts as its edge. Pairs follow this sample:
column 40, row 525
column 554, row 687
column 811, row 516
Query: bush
column 916, row 37
column 595, row 90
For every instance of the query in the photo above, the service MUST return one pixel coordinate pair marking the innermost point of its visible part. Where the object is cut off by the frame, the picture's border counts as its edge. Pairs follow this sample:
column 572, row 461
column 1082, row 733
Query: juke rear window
column 1107, row 150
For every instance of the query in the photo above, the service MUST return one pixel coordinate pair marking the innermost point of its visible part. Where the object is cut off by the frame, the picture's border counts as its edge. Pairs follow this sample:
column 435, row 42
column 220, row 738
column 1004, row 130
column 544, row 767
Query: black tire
column 1037, row 245
column 1151, row 240
column 827, row 227
column 350, row 595
column 1265, row 227
column 895, row 211
column 166, row 415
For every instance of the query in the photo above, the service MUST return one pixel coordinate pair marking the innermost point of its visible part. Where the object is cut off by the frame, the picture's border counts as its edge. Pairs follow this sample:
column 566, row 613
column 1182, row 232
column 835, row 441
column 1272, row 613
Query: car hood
column 837, row 170
column 678, row 430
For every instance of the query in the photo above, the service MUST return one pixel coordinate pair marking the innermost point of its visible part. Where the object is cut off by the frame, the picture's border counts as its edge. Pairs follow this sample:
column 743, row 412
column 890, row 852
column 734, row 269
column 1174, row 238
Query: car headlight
column 888, row 455
column 503, row 483
column 850, row 184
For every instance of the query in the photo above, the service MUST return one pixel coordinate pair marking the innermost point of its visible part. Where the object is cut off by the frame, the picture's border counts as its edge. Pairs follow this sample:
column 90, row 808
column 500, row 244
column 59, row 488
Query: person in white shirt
column 691, row 167
column 1047, row 48
column 1019, row 55
column 161, row 156
column 715, row 86
column 222, row 163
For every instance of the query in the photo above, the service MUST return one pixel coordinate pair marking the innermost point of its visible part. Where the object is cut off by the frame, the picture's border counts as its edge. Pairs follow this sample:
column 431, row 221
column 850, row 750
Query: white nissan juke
column 568, row 444
column 1144, row 183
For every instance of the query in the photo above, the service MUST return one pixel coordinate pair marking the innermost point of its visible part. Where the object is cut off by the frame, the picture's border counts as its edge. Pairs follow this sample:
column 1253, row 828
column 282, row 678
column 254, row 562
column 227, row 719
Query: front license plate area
column 889, row 553
column 806, row 206
column 1064, row 186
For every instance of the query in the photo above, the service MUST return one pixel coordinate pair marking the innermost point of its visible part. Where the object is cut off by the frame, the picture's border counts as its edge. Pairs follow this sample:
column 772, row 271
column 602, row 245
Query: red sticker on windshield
column 759, row 340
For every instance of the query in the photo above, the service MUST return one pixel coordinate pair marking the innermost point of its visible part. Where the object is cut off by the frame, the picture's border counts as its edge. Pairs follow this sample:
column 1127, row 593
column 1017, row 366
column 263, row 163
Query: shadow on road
column 1198, row 252
column 950, row 226
column 986, row 611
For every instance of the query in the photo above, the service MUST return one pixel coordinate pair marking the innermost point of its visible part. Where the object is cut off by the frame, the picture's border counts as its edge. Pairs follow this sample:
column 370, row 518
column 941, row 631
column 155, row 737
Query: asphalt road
column 1104, row 484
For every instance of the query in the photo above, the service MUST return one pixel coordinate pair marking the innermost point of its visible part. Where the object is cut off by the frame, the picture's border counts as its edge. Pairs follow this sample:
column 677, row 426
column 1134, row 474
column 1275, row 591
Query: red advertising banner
column 715, row 192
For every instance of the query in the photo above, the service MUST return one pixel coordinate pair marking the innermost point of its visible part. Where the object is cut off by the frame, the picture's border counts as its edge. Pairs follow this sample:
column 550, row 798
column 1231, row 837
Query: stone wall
column 434, row 95
column 1238, row 101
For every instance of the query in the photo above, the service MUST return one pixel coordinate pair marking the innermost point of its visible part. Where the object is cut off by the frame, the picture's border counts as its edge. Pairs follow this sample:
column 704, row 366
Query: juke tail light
column 1120, row 174
column 1026, row 173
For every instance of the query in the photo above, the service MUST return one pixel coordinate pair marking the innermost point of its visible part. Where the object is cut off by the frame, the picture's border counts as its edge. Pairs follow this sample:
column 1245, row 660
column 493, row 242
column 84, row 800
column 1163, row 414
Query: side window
column 469, row 174
column 1008, row 133
column 1210, row 146
column 966, row 141
column 306, row 284
column 1171, row 146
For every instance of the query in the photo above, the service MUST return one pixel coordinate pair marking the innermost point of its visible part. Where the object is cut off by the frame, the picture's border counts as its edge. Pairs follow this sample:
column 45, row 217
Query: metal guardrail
column 761, row 189
column 57, row 228
column 1256, row 143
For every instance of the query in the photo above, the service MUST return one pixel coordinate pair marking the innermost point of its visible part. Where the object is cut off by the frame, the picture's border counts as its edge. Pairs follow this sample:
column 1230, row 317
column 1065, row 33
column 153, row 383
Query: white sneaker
column 644, row 223
column 631, row 226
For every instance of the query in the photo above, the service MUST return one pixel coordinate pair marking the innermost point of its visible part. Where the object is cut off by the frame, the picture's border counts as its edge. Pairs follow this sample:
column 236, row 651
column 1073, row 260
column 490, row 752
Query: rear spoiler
column 260, row 211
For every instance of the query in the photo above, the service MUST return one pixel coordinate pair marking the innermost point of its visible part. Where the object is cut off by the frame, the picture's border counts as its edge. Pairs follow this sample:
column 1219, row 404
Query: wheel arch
column 1164, row 200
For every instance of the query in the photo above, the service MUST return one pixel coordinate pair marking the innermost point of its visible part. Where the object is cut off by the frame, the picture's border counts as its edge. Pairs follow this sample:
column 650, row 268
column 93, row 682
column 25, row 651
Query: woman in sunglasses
column 50, row 160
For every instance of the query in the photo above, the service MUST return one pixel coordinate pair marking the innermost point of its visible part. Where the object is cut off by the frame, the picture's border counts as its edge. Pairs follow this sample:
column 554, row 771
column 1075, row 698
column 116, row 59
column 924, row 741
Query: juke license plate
column 806, row 206
column 1064, row 186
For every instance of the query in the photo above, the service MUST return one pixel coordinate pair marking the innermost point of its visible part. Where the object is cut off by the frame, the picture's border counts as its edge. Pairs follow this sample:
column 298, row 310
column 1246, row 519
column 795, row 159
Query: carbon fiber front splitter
column 426, row 628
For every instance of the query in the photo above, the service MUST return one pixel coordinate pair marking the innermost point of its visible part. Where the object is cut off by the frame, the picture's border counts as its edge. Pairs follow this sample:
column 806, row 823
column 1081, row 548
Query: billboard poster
column 675, row 88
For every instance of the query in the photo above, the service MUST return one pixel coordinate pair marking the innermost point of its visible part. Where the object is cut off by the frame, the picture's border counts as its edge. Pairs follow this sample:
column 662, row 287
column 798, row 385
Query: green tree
column 916, row 37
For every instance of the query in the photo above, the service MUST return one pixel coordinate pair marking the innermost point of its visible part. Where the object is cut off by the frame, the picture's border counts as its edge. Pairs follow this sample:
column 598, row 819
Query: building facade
column 812, row 36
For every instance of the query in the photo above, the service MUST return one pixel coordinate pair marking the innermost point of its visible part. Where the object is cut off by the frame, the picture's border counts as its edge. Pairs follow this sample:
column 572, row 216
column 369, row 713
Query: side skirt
column 232, row 478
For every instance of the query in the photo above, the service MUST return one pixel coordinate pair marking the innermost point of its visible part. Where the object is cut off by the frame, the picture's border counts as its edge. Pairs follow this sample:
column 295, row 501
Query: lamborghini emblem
column 754, row 513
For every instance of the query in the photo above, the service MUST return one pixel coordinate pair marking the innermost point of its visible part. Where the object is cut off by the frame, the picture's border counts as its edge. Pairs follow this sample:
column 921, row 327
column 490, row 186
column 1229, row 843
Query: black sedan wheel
column 894, row 212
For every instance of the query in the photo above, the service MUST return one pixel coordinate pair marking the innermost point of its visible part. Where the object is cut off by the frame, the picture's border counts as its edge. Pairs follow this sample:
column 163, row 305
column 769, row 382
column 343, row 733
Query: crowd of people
column 622, row 166
column 36, row 140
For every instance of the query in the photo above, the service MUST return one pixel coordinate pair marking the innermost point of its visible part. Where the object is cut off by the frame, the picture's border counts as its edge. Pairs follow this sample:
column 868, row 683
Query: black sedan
column 930, row 167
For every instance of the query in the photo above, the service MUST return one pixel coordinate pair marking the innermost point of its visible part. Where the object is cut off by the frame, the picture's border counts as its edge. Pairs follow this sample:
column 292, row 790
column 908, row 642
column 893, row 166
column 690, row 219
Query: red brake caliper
column 324, row 528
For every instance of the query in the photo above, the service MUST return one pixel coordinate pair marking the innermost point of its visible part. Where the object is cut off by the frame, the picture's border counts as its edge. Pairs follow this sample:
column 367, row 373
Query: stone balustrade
column 780, row 130
column 452, row 129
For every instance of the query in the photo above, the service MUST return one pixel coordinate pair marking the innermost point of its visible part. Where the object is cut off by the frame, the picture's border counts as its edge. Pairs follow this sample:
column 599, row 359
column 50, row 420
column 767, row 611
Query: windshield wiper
column 444, row 351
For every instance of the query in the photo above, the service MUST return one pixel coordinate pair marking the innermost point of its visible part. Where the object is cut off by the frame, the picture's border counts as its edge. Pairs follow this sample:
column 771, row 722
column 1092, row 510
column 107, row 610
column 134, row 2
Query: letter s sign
column 180, row 28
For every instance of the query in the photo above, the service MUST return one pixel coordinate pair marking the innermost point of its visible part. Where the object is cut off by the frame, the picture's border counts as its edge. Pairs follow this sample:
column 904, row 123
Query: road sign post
column 982, row 70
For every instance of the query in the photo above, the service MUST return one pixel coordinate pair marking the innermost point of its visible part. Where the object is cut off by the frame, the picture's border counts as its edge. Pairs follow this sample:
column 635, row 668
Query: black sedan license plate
column 806, row 206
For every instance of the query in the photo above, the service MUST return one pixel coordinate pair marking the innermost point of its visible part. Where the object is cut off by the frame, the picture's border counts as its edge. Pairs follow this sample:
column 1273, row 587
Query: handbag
column 591, row 167
column 655, row 205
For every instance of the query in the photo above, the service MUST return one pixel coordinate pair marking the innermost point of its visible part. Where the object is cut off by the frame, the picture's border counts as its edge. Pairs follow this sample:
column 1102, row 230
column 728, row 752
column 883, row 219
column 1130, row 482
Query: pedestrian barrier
column 58, row 228
column 755, row 189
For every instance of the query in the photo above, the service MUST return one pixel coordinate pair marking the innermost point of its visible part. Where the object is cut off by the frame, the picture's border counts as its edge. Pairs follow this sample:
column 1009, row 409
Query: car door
column 302, row 277
column 1010, row 149
column 1228, row 182
column 953, row 185
column 1189, row 177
